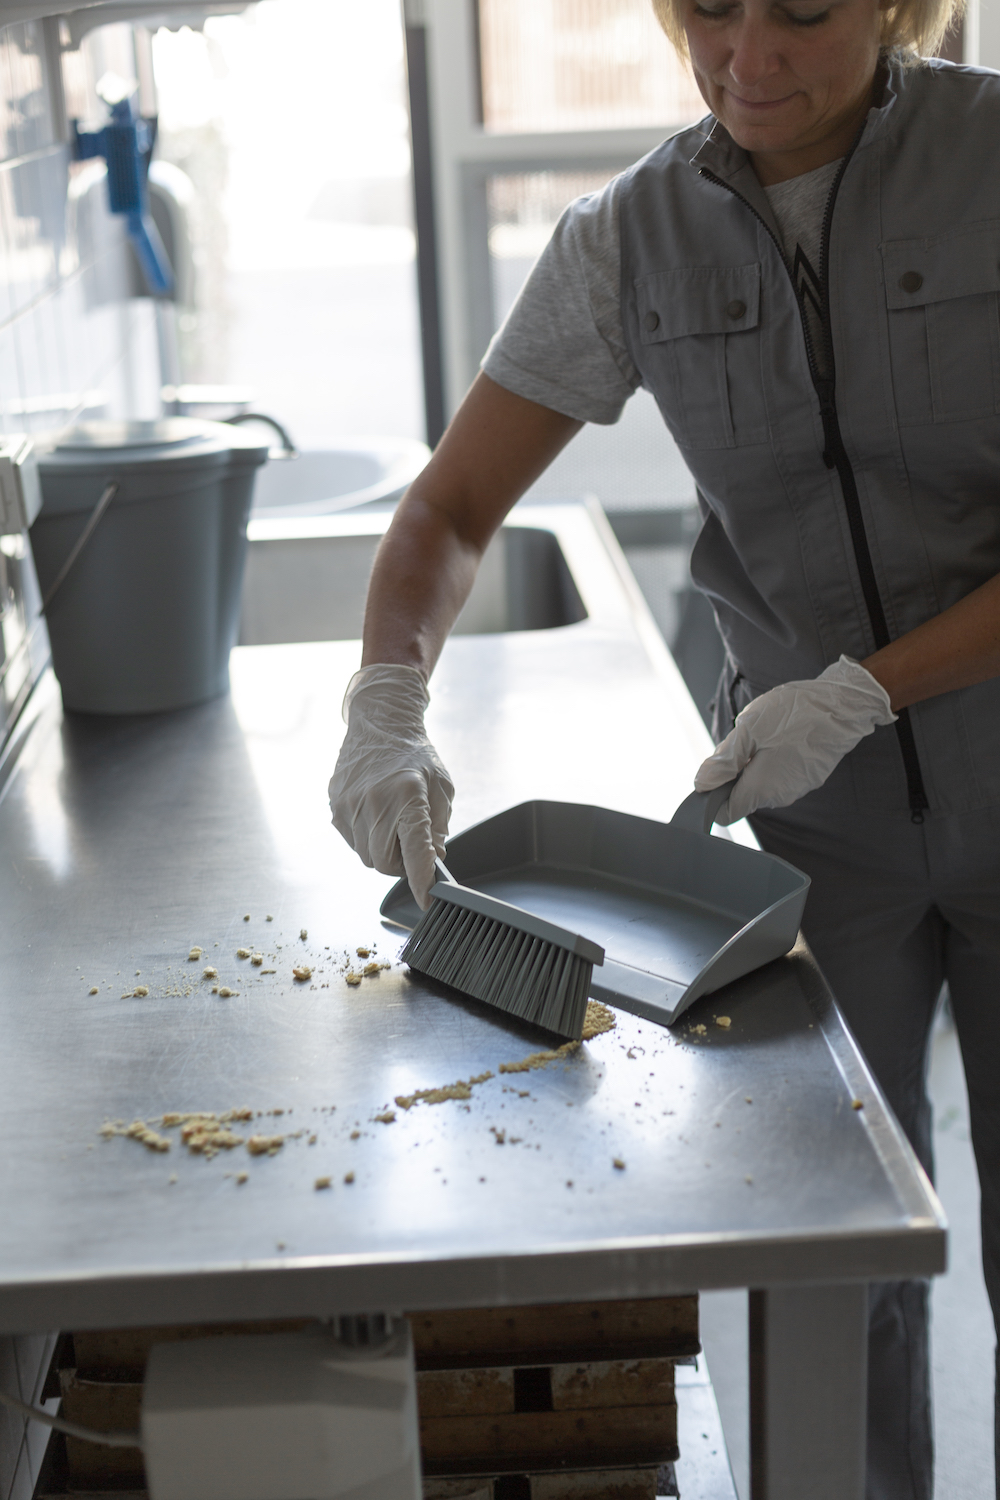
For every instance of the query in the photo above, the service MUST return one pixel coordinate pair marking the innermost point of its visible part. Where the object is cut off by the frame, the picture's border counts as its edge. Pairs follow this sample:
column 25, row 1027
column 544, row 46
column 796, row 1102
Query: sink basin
column 322, row 481
column 306, row 580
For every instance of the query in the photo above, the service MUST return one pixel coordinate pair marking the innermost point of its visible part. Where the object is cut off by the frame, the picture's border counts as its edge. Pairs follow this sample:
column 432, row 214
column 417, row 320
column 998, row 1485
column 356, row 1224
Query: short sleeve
column 562, row 343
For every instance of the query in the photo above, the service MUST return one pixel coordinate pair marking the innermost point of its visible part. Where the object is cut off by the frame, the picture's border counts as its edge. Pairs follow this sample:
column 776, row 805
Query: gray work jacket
column 799, row 569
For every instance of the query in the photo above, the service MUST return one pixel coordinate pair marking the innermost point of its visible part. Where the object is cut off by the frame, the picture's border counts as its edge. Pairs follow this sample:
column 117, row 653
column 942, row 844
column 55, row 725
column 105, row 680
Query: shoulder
column 670, row 156
column 948, row 90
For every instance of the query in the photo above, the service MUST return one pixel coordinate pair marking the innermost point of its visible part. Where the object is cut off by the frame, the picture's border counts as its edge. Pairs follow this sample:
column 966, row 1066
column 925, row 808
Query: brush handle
column 450, row 892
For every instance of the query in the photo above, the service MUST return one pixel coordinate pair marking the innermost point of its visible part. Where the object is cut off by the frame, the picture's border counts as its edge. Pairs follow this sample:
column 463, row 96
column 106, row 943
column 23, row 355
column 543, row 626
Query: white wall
column 70, row 345
column 70, row 342
column 981, row 43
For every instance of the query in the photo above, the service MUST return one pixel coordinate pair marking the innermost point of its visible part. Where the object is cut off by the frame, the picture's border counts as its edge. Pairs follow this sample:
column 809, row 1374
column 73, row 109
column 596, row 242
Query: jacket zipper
column 835, row 456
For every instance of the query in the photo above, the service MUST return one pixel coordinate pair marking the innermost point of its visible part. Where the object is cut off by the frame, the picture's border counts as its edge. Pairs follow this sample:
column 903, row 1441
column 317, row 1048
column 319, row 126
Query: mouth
column 758, row 106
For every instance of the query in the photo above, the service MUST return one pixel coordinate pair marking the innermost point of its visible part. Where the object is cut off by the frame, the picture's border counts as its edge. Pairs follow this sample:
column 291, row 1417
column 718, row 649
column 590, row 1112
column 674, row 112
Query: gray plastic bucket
column 149, row 612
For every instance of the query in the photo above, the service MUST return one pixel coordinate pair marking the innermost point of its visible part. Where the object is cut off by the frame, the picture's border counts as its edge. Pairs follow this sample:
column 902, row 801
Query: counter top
column 124, row 842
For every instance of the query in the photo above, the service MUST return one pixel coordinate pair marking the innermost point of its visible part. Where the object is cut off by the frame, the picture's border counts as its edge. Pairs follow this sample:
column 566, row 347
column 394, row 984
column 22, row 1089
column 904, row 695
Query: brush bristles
column 495, row 962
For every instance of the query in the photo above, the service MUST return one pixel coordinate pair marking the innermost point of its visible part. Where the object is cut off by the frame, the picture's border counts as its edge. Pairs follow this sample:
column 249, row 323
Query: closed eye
column 813, row 20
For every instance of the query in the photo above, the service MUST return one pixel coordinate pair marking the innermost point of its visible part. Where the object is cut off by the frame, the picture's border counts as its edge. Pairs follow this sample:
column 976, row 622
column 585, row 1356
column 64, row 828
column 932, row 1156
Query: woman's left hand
column 786, row 742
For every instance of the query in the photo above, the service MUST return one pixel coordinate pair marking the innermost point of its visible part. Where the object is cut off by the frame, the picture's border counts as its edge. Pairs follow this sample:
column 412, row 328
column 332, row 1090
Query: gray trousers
column 894, row 911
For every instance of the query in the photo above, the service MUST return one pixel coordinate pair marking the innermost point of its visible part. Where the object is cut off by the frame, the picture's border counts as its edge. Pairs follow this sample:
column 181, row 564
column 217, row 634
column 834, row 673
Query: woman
column 808, row 283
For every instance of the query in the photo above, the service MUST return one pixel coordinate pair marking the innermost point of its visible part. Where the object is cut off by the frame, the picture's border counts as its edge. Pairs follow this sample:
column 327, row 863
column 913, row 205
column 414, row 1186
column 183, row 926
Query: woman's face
column 789, row 79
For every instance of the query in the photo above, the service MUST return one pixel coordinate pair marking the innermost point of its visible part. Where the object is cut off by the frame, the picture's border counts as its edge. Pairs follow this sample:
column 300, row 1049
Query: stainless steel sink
column 307, row 578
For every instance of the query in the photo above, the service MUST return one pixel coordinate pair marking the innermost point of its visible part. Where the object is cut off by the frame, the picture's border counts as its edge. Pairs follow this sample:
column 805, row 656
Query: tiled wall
column 72, row 341
column 23, row 1364
column 72, row 344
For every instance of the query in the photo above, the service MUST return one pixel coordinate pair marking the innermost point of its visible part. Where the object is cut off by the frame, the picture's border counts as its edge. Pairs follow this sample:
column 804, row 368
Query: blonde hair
column 911, row 29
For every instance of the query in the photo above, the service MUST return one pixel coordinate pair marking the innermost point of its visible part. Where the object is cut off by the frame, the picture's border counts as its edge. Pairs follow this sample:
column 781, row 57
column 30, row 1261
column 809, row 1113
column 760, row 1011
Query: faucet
column 287, row 449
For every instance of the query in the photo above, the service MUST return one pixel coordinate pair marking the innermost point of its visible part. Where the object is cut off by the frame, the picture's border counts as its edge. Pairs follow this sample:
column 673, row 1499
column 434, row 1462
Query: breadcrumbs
column 265, row 1145
column 322, row 1182
column 462, row 1089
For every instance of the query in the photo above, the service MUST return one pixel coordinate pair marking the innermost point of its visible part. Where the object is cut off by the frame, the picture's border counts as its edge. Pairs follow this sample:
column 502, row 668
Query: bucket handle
column 699, row 811
column 107, row 496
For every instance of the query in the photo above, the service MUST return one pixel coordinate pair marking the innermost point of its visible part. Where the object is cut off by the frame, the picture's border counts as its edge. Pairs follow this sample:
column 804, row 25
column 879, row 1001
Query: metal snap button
column 651, row 322
column 911, row 281
column 735, row 309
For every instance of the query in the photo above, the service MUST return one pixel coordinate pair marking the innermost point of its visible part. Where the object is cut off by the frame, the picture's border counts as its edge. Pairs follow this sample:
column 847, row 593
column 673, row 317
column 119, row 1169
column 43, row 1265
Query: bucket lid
column 162, row 433
column 169, row 441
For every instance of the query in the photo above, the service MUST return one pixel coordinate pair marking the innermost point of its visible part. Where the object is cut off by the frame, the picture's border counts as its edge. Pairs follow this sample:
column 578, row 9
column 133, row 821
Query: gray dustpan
column 679, row 913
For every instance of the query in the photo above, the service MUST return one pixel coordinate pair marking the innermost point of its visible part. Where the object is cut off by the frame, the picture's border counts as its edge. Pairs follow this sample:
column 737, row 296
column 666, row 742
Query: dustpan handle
column 698, row 812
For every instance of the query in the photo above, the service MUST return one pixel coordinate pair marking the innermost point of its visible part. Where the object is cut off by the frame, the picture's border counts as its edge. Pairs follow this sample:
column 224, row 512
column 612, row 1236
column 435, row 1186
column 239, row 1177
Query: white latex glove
column 390, row 795
column 786, row 742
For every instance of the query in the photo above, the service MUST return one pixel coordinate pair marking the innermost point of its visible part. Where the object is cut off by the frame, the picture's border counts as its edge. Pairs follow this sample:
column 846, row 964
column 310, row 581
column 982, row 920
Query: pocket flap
column 962, row 263
column 698, row 299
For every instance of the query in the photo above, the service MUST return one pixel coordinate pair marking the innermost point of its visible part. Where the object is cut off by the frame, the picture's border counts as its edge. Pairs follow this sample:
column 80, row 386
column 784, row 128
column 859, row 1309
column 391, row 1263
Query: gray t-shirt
column 562, row 343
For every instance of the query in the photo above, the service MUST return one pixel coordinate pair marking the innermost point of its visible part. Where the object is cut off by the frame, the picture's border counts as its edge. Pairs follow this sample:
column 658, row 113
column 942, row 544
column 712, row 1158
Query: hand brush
column 504, row 956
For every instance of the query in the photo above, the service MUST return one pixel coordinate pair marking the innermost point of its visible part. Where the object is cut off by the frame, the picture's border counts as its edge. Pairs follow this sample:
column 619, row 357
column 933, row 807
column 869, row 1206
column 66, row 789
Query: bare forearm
column 494, row 449
column 421, row 579
column 954, row 650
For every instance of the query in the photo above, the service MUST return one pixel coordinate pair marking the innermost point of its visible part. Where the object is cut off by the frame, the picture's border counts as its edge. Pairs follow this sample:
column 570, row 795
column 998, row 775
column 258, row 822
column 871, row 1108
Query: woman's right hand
column 390, row 794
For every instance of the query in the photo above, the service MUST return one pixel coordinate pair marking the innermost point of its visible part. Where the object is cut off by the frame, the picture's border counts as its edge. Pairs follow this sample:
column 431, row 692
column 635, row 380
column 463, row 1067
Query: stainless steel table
column 122, row 843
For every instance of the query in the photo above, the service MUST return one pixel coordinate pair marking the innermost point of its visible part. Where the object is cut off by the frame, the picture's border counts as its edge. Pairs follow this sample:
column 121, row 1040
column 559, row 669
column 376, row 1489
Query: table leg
column 808, row 1392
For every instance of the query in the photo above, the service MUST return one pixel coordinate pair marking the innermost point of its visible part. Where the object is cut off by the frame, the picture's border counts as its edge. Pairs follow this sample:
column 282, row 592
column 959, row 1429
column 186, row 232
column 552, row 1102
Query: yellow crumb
column 265, row 1145
column 700, row 1029
column 195, row 953
column 303, row 934
column 724, row 1021
column 540, row 1059
column 225, row 993
column 210, row 973
column 462, row 1089
column 312, row 1140
column 857, row 1104
column 387, row 1116
column 348, row 1176
column 363, row 952
column 243, row 953
column 599, row 1018
column 323, row 1182
column 268, row 919
column 618, row 1163
column 140, row 992
column 353, row 977
column 302, row 972
column 207, row 1138
column 355, row 1135
column 247, row 917
column 93, row 989
column 137, row 1131
column 256, row 959
column 370, row 969
column 242, row 1177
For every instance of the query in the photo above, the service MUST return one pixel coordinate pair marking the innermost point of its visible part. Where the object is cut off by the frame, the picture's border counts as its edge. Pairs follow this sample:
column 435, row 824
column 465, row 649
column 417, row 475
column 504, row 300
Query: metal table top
column 124, row 842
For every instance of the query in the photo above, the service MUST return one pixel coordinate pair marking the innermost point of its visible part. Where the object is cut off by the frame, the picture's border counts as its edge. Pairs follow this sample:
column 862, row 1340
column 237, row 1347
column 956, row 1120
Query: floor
column 962, row 1330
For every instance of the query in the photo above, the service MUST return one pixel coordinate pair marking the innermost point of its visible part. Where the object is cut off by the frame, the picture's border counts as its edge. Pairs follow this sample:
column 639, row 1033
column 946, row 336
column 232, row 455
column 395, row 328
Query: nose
column 754, row 56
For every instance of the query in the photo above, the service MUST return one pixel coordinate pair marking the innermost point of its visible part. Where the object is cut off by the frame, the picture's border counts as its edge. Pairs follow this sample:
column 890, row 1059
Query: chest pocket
column 944, row 333
column 700, row 353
